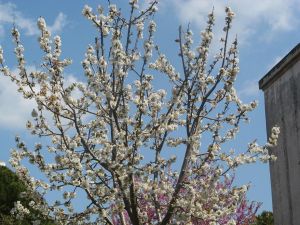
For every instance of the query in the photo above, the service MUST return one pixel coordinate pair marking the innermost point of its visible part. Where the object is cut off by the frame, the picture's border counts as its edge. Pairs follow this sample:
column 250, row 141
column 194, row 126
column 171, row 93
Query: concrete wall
column 282, row 105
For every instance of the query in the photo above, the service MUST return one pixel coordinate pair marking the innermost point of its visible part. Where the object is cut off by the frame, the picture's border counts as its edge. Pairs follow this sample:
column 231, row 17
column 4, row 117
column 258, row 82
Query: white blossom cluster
column 111, row 141
column 19, row 210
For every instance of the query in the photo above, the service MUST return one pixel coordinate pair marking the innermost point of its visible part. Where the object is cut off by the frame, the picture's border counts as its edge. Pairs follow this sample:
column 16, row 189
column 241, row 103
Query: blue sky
column 266, row 30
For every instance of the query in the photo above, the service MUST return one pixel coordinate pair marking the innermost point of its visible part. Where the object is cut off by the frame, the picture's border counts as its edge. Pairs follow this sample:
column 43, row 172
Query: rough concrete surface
column 281, row 88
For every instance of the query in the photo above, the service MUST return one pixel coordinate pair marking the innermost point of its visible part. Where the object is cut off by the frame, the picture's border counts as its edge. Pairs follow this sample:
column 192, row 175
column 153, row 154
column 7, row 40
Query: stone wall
column 281, row 88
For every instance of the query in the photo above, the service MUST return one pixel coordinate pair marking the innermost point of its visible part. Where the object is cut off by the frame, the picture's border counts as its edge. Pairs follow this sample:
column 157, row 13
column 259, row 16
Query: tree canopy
column 130, row 152
column 12, row 190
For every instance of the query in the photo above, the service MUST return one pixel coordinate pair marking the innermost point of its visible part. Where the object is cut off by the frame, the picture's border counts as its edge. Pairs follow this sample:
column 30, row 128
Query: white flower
column 230, row 13
column 41, row 23
column 1, row 55
column 87, row 10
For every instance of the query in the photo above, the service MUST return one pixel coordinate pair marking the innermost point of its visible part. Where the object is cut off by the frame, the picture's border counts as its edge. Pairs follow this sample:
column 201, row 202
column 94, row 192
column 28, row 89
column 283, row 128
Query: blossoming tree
column 111, row 141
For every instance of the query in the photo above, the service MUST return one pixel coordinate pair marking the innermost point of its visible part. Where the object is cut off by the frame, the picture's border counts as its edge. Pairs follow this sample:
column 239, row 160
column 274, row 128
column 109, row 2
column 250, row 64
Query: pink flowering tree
column 244, row 212
column 115, row 138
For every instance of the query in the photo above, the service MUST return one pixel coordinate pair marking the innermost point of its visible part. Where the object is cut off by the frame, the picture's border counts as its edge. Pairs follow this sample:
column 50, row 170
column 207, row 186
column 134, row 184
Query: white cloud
column 249, row 89
column 9, row 15
column 14, row 109
column 59, row 23
column 275, row 15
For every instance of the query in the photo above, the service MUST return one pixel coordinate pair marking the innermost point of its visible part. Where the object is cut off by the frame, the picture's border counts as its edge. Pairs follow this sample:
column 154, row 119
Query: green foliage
column 265, row 218
column 11, row 189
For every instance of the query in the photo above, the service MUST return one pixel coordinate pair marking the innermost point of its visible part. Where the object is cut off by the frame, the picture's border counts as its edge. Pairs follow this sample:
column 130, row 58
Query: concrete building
column 281, row 86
